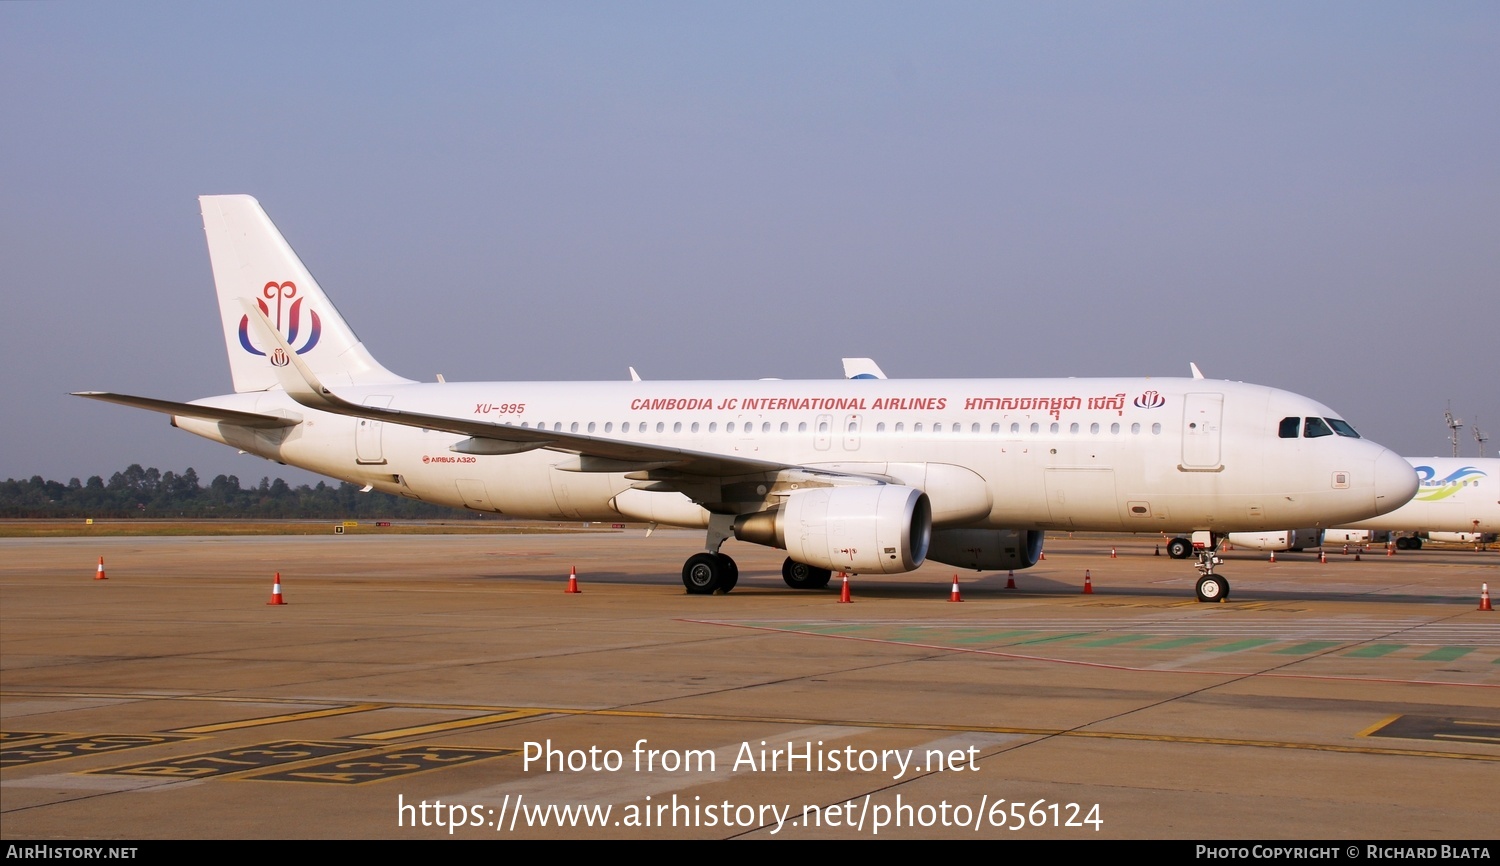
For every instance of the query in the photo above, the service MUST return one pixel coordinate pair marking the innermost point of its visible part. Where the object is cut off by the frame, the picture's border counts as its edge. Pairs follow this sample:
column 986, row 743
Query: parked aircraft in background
column 867, row 476
column 1458, row 500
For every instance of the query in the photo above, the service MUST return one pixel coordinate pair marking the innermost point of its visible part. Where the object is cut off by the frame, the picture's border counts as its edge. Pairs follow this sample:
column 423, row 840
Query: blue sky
column 1301, row 195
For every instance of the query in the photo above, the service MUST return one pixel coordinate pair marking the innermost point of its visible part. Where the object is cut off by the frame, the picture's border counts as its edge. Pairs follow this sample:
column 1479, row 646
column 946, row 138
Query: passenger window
column 1015, row 427
column 784, row 427
column 694, row 428
column 1289, row 428
column 1315, row 427
column 1136, row 427
column 1073, row 428
column 1156, row 428
column 1035, row 427
column 1342, row 428
column 1094, row 427
column 729, row 428
column 609, row 426
column 801, row 426
column 1054, row 427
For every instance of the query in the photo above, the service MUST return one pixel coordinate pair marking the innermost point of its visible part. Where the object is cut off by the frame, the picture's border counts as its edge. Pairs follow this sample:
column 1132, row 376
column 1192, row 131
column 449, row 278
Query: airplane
column 861, row 476
column 1458, row 500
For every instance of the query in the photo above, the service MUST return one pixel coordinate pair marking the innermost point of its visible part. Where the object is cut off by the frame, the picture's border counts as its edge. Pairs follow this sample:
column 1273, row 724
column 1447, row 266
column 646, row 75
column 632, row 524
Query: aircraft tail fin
column 251, row 260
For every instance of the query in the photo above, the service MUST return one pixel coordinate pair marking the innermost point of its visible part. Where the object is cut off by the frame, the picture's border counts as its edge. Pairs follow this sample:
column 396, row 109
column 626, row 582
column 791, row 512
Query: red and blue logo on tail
column 281, row 293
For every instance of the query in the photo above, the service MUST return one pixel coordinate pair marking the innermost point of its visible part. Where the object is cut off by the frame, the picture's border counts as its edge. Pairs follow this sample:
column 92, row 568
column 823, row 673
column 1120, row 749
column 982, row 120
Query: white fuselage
column 1455, row 495
column 1133, row 455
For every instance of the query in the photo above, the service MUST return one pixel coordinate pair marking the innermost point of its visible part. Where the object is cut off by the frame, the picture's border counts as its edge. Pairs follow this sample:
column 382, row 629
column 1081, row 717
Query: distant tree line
column 138, row 492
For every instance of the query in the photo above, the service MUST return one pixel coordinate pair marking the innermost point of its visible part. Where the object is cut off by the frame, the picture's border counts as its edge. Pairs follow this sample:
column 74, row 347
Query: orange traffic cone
column 1273, row 556
column 99, row 575
column 1484, row 598
column 1088, row 583
column 1346, row 550
column 953, row 596
column 276, row 591
column 1157, row 552
column 1390, row 549
column 1112, row 554
column 572, row 580
column 1010, row 582
column 1042, row 556
column 844, row 593
column 1322, row 557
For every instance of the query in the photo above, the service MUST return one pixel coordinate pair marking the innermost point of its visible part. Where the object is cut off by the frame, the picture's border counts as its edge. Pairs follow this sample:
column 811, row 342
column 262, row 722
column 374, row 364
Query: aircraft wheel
column 731, row 572
column 1403, row 543
column 800, row 575
column 1179, row 548
column 1213, row 588
column 1416, row 543
column 703, row 573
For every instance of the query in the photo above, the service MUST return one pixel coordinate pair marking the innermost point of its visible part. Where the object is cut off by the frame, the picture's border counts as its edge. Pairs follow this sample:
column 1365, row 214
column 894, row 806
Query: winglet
column 1197, row 373
column 295, row 377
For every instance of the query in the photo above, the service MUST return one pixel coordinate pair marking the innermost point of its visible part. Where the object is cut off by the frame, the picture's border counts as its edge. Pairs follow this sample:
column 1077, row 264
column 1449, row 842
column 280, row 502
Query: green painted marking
column 991, row 636
column 1308, row 648
column 1181, row 641
column 1055, row 638
column 1237, row 646
column 1446, row 654
column 1375, row 650
column 1117, row 640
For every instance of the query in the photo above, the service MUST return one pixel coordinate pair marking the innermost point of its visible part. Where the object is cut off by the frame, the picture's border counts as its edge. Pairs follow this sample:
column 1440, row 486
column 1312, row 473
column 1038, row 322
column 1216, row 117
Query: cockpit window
column 1315, row 427
column 1342, row 428
column 1289, row 428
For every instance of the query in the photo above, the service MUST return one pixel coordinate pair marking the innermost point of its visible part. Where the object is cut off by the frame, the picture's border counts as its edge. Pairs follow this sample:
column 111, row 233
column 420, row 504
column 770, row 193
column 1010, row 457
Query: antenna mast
column 1454, row 425
column 1480, row 438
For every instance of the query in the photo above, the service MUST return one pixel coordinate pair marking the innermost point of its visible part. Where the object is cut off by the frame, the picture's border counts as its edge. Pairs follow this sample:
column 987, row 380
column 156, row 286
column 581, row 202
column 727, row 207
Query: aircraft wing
column 649, row 462
column 193, row 410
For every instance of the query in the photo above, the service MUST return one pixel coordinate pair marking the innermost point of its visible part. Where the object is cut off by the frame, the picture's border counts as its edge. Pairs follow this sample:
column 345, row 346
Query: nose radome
column 1395, row 481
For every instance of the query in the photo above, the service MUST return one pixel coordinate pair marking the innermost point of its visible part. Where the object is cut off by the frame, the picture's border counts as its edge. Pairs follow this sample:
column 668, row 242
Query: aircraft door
column 1202, row 420
column 367, row 433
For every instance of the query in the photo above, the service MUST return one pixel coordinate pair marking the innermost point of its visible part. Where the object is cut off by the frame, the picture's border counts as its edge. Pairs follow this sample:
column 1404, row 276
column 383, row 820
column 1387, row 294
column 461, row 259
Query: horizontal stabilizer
column 193, row 410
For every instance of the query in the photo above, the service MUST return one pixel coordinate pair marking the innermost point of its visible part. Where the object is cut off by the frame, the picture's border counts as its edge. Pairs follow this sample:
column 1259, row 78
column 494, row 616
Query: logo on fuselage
column 288, row 320
column 1150, row 400
column 1431, row 488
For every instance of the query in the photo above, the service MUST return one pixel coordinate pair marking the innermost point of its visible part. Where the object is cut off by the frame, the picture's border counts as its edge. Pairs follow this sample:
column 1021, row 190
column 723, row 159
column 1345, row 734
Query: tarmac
column 424, row 687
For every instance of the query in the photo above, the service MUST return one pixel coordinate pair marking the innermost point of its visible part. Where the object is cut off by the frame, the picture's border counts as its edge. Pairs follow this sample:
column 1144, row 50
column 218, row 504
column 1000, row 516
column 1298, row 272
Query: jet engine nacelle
column 1281, row 539
column 1460, row 537
column 986, row 549
column 880, row 529
column 1354, row 536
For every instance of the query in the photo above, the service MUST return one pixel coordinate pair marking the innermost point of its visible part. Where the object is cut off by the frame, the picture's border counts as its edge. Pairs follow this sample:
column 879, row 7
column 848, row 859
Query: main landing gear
column 1211, row 587
column 800, row 575
column 711, row 571
column 708, row 573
